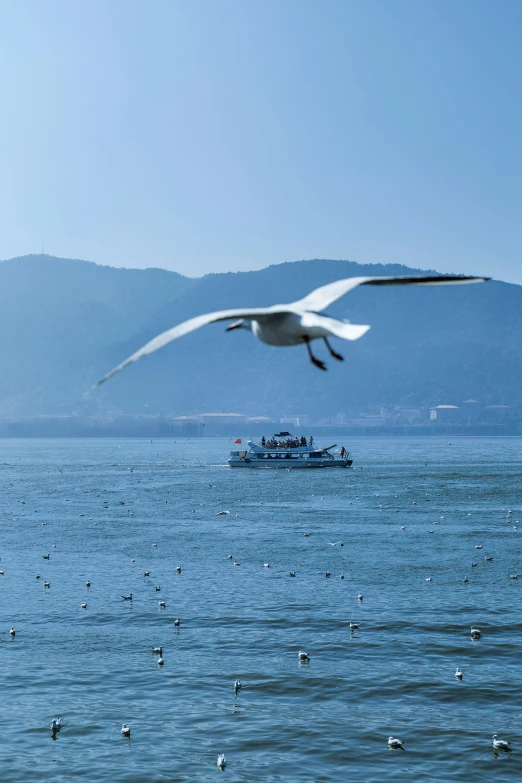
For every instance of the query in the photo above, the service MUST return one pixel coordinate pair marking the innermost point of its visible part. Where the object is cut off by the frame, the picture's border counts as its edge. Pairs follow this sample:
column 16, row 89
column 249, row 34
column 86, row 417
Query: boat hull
column 290, row 464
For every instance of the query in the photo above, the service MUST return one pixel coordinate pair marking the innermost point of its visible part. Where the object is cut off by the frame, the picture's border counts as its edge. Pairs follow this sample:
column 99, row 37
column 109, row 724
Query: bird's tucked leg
column 332, row 352
column 313, row 359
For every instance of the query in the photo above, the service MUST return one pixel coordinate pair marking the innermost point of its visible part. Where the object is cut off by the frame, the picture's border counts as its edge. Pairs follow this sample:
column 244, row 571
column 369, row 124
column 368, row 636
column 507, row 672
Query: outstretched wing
column 258, row 314
column 322, row 297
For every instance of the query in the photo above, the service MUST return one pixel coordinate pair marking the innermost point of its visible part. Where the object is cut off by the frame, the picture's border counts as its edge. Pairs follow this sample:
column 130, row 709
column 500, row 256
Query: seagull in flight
column 296, row 323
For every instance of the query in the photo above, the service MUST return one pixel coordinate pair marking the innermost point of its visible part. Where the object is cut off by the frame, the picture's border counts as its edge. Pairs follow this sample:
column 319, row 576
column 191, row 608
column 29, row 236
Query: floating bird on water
column 479, row 546
column 237, row 687
column 146, row 573
column 500, row 744
column 177, row 622
column 125, row 731
column 354, row 626
column 236, row 563
column 458, row 674
column 163, row 604
column 429, row 579
column 465, row 579
column 221, row 761
column 12, row 631
column 395, row 743
column 222, row 513
column 56, row 724
column 296, row 323
column 360, row 596
column 158, row 588
column 474, row 564
column 38, row 576
column 46, row 557
column 160, row 661
column 476, row 633
column 342, row 576
column 127, row 597
column 488, row 558
column 178, row 569
column 303, row 657
column 47, row 584
column 87, row 583
column 327, row 574
column 336, row 543
column 292, row 573
column 266, row 565
column 83, row 606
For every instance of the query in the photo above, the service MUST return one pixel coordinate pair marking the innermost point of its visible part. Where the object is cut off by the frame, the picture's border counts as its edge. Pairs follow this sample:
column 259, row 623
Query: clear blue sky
column 213, row 135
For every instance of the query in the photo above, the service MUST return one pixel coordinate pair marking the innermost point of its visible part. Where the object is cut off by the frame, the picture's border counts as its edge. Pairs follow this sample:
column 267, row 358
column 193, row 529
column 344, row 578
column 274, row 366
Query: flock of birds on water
column 303, row 657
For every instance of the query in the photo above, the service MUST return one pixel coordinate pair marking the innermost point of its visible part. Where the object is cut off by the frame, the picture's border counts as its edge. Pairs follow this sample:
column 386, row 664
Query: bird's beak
column 235, row 325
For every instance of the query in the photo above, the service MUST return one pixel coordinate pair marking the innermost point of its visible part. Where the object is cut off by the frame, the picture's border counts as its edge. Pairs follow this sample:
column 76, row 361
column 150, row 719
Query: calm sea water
column 106, row 502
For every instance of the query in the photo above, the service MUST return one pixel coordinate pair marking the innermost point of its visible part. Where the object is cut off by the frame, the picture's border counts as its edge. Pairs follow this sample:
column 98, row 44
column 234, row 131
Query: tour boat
column 283, row 451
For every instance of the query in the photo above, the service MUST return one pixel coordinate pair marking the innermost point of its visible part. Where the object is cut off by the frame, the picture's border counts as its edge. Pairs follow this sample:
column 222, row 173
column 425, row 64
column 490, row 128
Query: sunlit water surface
column 105, row 502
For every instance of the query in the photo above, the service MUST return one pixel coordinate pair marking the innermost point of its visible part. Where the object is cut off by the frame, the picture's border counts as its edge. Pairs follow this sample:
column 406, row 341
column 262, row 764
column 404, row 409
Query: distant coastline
column 165, row 427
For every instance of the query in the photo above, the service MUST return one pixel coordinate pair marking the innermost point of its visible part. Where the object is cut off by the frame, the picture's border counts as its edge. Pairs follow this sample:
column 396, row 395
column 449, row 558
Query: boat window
column 315, row 455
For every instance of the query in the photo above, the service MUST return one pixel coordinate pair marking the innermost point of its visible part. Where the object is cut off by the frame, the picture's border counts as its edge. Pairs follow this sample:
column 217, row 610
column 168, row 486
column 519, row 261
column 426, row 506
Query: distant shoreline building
column 444, row 413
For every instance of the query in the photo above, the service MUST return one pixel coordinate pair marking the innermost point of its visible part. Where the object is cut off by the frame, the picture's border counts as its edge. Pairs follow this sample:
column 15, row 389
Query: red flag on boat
column 238, row 440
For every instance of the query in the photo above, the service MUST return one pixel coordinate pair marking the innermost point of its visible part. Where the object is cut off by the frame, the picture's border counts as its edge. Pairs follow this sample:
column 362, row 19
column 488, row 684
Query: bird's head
column 241, row 324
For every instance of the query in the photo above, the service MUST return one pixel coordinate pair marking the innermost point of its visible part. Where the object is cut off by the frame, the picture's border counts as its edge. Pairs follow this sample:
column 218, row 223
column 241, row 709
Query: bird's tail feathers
column 350, row 331
column 343, row 329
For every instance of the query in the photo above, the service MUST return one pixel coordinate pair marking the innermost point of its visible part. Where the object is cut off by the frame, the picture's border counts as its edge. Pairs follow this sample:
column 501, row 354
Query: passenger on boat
column 263, row 441
column 343, row 452
column 311, row 441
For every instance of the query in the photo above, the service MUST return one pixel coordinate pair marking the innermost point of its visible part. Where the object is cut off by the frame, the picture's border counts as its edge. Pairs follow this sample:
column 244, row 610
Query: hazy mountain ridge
column 67, row 322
